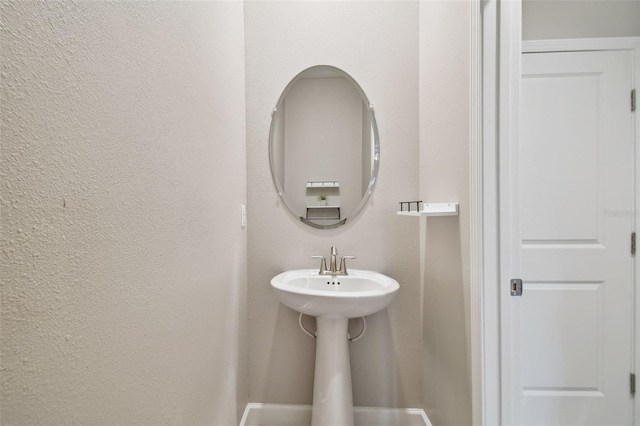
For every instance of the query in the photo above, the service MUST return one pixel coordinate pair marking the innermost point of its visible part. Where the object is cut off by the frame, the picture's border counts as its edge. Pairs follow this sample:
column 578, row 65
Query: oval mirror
column 323, row 147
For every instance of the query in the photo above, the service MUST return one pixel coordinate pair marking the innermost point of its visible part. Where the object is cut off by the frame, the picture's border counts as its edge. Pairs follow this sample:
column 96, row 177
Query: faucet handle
column 323, row 264
column 343, row 264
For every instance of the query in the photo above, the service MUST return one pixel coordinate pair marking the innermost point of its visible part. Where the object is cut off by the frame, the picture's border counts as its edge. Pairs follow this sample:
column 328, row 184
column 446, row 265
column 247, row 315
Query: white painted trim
column 501, row 83
column 636, row 223
column 298, row 414
column 490, row 338
column 243, row 420
column 578, row 44
column 476, row 217
column 508, row 130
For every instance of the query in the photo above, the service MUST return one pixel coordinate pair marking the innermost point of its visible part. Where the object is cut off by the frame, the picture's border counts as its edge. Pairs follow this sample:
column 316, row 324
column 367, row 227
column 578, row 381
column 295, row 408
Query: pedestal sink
column 333, row 299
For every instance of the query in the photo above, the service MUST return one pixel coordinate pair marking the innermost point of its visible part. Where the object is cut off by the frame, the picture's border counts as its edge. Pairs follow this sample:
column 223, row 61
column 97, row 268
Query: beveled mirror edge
column 376, row 151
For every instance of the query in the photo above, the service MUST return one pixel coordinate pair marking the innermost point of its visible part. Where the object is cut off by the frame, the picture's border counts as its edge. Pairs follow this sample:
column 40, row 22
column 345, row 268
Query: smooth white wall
column 444, row 176
column 122, row 174
column 544, row 19
column 377, row 44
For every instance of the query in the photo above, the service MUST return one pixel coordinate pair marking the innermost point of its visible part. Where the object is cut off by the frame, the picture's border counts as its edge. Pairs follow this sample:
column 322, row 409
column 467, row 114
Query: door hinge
column 516, row 287
column 632, row 383
column 633, row 243
column 633, row 100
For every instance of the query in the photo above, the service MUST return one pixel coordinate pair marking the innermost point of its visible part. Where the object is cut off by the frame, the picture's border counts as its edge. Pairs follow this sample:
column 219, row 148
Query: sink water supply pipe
column 314, row 335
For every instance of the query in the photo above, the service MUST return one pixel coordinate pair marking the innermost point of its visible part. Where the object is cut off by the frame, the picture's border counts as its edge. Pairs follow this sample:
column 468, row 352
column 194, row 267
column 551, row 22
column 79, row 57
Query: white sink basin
column 333, row 299
column 355, row 295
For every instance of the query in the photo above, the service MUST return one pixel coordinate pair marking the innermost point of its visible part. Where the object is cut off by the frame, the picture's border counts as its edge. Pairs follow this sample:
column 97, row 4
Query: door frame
column 495, row 71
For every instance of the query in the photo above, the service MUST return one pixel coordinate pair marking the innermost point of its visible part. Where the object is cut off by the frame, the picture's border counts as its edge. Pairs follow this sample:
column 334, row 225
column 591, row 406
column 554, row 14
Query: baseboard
column 257, row 414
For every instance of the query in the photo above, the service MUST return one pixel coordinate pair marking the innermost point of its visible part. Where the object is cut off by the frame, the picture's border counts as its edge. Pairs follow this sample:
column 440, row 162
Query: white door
column 570, row 226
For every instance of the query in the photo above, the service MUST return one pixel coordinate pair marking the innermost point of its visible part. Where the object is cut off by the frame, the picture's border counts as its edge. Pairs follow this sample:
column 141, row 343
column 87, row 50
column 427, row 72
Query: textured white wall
column 548, row 19
column 122, row 174
column 377, row 44
column 444, row 176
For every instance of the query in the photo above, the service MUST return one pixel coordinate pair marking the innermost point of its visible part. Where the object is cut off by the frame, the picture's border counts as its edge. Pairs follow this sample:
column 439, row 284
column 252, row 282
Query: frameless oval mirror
column 324, row 147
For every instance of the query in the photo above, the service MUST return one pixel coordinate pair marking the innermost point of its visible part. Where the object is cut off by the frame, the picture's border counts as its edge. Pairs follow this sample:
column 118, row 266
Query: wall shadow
column 446, row 371
column 291, row 361
column 374, row 363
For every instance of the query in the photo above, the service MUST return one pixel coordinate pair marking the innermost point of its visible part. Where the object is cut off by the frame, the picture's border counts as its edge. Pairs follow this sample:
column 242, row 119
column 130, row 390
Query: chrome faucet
column 333, row 261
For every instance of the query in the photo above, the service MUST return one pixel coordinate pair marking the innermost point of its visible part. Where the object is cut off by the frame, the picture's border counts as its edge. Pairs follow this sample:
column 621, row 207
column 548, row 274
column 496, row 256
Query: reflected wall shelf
column 434, row 209
column 323, row 184
column 323, row 212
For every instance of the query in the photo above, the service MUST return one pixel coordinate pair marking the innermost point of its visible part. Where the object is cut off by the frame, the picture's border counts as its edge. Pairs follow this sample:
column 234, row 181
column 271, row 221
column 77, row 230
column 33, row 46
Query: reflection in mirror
column 323, row 147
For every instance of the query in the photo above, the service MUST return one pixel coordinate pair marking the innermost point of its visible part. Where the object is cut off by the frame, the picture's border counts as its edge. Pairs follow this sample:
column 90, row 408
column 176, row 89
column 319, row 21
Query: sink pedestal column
column 332, row 395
